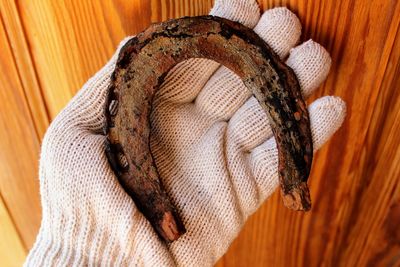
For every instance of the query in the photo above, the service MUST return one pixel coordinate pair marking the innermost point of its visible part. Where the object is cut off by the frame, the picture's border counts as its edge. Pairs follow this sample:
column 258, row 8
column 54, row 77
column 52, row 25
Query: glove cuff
column 64, row 247
column 84, row 242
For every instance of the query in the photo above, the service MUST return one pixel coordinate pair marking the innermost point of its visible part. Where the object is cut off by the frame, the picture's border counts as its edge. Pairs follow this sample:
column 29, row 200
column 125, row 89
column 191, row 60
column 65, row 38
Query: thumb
column 326, row 116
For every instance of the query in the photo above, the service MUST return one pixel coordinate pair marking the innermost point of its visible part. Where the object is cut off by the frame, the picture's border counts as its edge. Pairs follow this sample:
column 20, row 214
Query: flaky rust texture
column 144, row 61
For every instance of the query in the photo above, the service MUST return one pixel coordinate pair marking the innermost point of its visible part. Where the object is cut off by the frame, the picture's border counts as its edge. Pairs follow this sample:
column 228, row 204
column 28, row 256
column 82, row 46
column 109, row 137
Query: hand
column 212, row 145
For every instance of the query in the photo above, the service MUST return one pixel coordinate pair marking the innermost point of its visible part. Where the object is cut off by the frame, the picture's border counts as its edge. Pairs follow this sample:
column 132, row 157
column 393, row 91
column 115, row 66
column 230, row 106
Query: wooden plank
column 24, row 65
column 19, row 146
column 378, row 205
column 12, row 252
column 360, row 43
column 68, row 45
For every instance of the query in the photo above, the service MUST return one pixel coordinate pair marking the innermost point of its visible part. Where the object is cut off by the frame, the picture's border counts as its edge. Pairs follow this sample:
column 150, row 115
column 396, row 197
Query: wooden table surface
column 50, row 48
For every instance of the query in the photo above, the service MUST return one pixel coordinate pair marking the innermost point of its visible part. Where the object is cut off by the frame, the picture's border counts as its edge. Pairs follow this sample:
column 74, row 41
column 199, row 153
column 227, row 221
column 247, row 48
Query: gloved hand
column 212, row 145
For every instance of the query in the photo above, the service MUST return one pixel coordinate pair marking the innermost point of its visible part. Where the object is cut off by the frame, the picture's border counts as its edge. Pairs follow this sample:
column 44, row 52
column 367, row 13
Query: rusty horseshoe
column 141, row 67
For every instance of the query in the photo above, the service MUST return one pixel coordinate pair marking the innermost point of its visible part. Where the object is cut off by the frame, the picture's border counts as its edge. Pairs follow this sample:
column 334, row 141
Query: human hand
column 212, row 145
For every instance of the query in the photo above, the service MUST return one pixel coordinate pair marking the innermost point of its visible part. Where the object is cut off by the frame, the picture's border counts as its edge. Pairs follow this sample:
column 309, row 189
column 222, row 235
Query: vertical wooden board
column 12, row 252
column 359, row 37
column 67, row 44
column 167, row 9
column 24, row 65
column 373, row 236
column 71, row 40
column 19, row 146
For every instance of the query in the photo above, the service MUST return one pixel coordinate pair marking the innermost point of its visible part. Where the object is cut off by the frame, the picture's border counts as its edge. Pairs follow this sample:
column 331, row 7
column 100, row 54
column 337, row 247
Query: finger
column 280, row 28
column 224, row 93
column 183, row 83
column 326, row 116
column 249, row 127
column 246, row 12
column 311, row 63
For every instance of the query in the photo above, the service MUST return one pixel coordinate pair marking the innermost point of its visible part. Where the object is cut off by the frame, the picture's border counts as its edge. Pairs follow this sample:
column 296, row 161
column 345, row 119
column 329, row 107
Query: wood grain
column 25, row 68
column 50, row 48
column 19, row 145
column 360, row 44
column 12, row 252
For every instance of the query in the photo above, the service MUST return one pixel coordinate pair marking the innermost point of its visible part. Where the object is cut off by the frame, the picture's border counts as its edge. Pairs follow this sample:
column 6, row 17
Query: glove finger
column 249, row 127
column 326, row 116
column 246, row 12
column 183, row 83
column 311, row 63
column 224, row 93
column 280, row 28
column 86, row 109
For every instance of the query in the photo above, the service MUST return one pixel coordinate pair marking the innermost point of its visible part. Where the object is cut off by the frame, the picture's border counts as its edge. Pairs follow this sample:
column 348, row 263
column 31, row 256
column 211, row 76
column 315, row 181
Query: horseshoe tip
column 298, row 198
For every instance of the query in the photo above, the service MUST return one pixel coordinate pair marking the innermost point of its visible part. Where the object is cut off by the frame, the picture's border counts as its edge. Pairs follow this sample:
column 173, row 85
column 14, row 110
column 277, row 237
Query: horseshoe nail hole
column 113, row 108
column 297, row 116
column 122, row 160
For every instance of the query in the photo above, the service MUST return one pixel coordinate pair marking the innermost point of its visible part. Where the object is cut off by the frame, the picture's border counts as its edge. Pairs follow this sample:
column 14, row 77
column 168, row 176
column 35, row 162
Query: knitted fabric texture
column 212, row 145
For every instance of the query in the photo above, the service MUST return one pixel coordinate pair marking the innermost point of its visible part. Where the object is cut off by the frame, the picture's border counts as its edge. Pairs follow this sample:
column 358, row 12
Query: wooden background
column 50, row 48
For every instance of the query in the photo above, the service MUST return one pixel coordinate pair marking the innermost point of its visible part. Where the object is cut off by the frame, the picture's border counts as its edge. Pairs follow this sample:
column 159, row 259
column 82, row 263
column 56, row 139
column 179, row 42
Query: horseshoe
column 141, row 67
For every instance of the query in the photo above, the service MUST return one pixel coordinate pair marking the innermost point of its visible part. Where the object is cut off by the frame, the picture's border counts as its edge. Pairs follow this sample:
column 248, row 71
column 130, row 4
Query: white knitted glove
column 212, row 145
